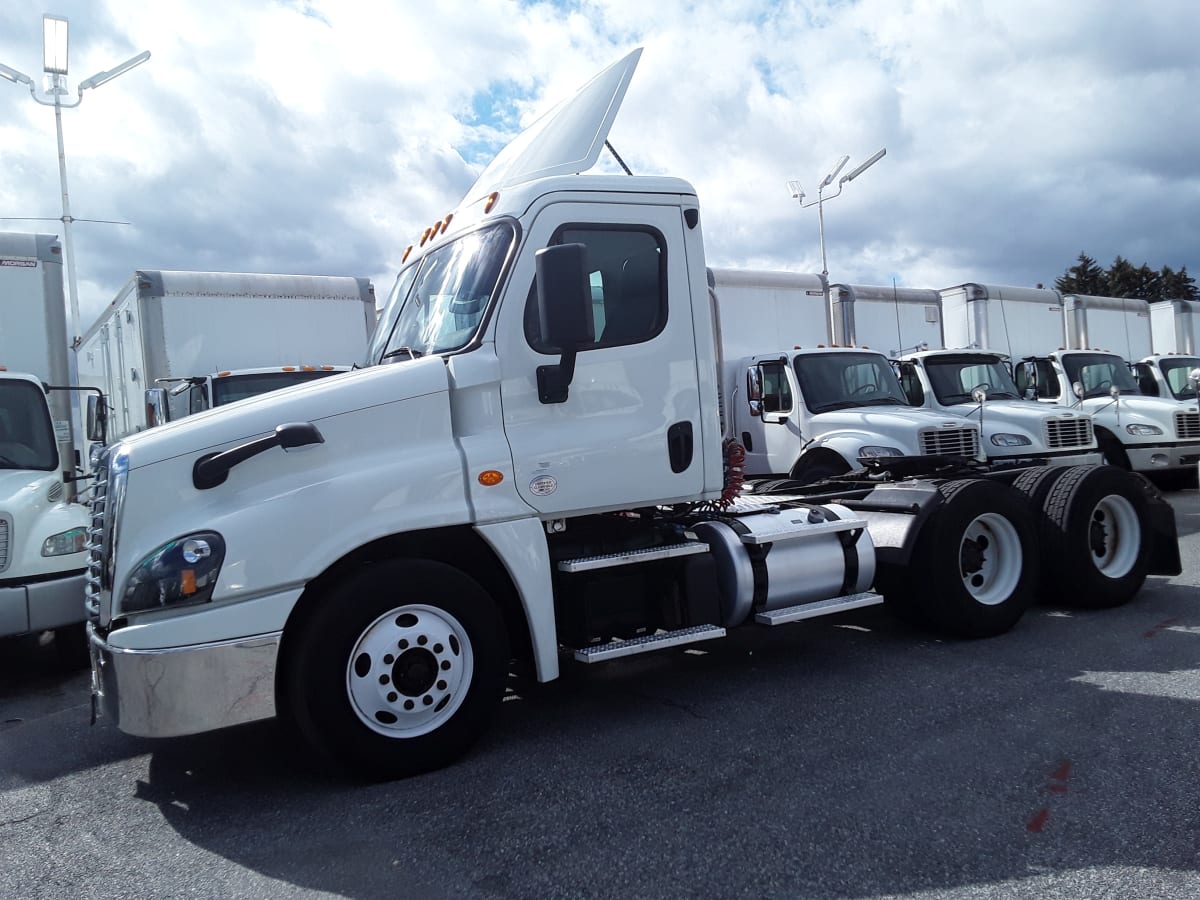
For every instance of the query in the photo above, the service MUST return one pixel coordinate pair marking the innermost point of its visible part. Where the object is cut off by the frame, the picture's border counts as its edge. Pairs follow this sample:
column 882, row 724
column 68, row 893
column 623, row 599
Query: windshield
column 26, row 435
column 954, row 378
column 831, row 381
column 1099, row 373
column 1175, row 370
column 440, row 301
column 232, row 388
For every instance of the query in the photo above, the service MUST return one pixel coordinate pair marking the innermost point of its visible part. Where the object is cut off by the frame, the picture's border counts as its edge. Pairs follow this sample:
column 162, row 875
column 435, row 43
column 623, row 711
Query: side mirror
column 1194, row 379
column 1114, row 392
column 979, row 395
column 754, row 384
column 564, row 300
column 1077, row 389
column 156, row 407
column 97, row 418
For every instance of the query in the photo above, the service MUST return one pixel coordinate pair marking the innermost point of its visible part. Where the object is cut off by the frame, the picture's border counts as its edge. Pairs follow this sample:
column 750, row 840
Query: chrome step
column 604, row 561
column 649, row 642
column 820, row 608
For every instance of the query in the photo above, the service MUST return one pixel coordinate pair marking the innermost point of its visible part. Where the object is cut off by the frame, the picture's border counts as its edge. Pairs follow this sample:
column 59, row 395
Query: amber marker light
column 407, row 251
column 490, row 477
column 187, row 581
column 491, row 201
column 223, row 374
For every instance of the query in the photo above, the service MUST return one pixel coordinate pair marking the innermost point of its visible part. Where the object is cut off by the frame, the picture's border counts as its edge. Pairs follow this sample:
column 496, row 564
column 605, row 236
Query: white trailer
column 824, row 409
column 968, row 383
column 1059, row 365
column 533, row 466
column 42, row 528
column 201, row 339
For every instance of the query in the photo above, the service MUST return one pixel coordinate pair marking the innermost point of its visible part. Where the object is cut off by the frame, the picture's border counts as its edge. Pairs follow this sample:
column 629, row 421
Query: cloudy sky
column 322, row 136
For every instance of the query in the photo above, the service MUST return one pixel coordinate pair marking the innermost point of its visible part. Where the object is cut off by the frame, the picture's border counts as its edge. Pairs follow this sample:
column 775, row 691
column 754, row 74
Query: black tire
column 1112, row 451
column 1096, row 549
column 379, row 714
column 973, row 568
column 71, row 646
column 826, row 467
column 1035, row 484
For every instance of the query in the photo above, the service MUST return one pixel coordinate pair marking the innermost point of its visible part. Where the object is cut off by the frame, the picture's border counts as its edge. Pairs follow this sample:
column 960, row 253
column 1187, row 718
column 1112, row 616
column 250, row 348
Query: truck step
column 604, row 561
column 649, row 642
column 820, row 608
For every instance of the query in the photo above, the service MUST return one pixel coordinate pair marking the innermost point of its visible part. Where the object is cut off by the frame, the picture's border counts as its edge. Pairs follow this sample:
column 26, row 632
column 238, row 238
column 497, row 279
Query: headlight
column 872, row 452
column 1143, row 429
column 65, row 542
column 1010, row 440
column 180, row 572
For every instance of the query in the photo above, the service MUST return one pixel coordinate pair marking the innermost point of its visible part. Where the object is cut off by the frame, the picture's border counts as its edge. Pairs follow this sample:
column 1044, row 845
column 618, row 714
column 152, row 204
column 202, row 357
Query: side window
column 777, row 393
column 1046, row 382
column 911, row 384
column 628, row 283
column 1145, row 380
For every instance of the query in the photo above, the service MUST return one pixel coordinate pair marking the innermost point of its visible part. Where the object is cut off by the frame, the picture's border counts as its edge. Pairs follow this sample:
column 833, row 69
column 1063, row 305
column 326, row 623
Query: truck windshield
column 232, row 388
column 1099, row 373
column 830, row 381
column 439, row 303
column 26, row 434
column 954, row 378
column 1175, row 371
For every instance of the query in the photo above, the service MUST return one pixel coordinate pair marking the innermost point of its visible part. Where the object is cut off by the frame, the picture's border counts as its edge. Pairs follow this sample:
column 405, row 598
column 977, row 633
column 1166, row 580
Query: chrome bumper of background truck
column 184, row 690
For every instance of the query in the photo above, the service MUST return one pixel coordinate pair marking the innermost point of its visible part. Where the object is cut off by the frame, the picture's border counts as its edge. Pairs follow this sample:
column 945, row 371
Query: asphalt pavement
column 851, row 756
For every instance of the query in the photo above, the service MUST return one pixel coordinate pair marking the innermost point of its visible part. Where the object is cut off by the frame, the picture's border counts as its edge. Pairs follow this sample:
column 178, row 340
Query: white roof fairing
column 566, row 140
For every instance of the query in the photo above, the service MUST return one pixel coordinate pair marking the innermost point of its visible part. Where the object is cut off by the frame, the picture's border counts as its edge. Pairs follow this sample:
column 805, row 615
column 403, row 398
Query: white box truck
column 1155, row 435
column 824, row 409
column 1173, row 369
column 970, row 383
column 196, row 340
column 534, row 463
column 42, row 526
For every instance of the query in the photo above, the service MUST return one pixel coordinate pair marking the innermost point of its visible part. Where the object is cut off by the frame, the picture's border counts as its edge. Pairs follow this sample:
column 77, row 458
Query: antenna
column 617, row 157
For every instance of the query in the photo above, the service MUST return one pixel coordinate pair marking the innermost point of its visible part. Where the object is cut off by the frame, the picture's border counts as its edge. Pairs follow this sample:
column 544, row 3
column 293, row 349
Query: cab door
column 628, row 433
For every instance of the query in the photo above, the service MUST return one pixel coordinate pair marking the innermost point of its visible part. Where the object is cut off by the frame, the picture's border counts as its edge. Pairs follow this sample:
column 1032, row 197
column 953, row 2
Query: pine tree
column 1085, row 277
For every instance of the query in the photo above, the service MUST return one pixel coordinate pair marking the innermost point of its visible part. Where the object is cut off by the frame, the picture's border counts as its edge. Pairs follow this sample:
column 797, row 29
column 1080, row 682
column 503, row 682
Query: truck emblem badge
column 543, row 486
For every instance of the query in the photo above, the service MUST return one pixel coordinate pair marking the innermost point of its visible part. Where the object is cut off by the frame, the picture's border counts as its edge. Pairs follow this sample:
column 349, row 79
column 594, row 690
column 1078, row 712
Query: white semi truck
column 1073, row 348
column 974, row 384
column 534, row 463
column 823, row 409
column 42, row 525
column 174, row 343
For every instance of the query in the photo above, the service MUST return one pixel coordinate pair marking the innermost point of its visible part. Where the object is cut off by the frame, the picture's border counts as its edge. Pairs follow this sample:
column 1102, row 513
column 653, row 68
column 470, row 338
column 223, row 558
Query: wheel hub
column 415, row 672
column 1098, row 534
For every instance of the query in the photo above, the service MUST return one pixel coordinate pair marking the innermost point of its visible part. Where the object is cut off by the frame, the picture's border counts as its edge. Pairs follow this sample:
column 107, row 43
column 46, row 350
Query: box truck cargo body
column 1175, row 327
column 1174, row 367
column 1147, row 434
column 891, row 320
column 206, row 338
column 42, row 529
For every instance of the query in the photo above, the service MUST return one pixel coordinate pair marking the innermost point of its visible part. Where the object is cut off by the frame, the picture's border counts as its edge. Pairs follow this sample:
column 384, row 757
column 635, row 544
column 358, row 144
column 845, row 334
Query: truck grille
column 96, row 544
column 1073, row 432
column 1187, row 425
column 5, row 539
column 949, row 442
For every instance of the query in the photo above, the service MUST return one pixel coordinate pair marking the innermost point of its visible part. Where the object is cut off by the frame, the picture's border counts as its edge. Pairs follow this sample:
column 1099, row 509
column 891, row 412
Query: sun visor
column 566, row 140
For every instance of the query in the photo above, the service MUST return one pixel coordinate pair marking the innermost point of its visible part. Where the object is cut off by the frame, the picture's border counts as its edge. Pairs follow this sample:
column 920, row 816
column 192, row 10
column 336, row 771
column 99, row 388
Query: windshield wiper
column 884, row 401
column 402, row 351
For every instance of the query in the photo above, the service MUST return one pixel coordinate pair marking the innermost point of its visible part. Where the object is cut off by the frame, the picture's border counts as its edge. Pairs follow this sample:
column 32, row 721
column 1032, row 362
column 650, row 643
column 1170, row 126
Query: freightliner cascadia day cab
column 1147, row 434
column 533, row 465
column 175, row 343
column 973, row 384
column 42, row 526
column 824, row 409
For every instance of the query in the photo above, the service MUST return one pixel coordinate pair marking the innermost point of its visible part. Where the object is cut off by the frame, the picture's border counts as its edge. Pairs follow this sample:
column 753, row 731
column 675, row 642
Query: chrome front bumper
column 184, row 690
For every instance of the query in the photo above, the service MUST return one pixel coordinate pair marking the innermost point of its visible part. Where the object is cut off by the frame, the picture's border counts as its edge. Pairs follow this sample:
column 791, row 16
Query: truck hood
column 18, row 487
column 1023, row 413
column 1154, row 409
column 882, row 419
column 314, row 402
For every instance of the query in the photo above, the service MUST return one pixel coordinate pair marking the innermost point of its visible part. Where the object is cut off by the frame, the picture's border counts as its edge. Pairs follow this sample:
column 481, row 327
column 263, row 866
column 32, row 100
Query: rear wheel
column 973, row 566
column 1092, row 538
column 398, row 669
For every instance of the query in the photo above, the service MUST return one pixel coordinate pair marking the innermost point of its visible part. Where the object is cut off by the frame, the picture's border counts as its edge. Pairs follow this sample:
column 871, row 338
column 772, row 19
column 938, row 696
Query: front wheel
column 397, row 670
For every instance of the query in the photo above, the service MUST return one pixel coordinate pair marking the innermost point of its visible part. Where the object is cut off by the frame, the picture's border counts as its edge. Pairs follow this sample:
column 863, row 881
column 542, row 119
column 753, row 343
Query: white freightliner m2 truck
column 974, row 384
column 534, row 465
column 42, row 526
column 824, row 409
column 174, row 343
column 1072, row 347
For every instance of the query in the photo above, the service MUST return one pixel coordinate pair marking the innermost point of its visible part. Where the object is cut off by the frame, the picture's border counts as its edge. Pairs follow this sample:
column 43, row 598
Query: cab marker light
column 490, row 477
column 491, row 201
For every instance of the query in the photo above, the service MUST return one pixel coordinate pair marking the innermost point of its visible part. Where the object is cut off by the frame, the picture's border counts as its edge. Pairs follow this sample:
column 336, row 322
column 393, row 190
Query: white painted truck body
column 42, row 556
column 1175, row 336
column 942, row 379
column 827, row 407
column 1147, row 434
column 210, row 335
column 534, row 460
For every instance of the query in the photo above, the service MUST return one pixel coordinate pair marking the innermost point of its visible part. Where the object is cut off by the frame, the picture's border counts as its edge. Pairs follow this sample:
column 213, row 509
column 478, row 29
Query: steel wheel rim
column 1114, row 536
column 990, row 558
column 409, row 671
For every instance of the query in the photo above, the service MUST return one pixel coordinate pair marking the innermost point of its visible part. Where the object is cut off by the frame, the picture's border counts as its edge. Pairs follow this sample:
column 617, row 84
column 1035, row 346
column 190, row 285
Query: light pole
column 798, row 193
column 54, row 64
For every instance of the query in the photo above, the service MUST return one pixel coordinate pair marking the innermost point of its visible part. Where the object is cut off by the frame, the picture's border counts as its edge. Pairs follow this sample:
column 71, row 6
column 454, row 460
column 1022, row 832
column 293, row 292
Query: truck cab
column 1171, row 375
